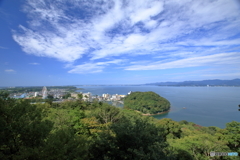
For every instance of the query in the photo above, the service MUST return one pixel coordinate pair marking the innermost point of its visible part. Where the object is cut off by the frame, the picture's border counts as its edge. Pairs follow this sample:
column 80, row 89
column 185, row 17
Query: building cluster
column 105, row 97
column 55, row 93
column 114, row 97
column 85, row 96
column 59, row 93
column 25, row 95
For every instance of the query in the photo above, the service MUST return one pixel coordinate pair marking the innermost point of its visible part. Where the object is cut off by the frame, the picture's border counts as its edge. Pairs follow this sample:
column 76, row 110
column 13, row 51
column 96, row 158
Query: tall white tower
column 44, row 92
column 35, row 94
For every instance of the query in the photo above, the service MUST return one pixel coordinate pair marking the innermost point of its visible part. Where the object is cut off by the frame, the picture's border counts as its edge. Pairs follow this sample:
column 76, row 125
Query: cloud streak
column 92, row 67
column 2, row 47
column 217, row 59
column 184, row 33
column 9, row 71
column 34, row 63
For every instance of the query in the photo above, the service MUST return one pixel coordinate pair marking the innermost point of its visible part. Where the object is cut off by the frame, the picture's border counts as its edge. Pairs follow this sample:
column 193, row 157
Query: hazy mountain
column 215, row 82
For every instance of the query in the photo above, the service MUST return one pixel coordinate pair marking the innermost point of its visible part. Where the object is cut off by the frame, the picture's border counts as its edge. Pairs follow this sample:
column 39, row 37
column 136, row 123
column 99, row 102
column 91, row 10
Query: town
column 59, row 94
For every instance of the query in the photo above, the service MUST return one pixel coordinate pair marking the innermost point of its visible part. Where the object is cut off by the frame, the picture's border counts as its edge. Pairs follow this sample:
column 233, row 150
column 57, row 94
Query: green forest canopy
column 87, row 131
column 146, row 102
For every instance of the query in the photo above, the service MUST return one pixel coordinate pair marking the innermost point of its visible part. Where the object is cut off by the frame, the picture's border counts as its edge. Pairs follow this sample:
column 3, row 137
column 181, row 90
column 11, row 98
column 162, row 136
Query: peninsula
column 148, row 103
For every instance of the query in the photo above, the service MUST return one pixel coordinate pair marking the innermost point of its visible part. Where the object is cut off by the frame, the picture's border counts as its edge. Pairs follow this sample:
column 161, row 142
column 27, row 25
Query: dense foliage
column 146, row 102
column 78, row 130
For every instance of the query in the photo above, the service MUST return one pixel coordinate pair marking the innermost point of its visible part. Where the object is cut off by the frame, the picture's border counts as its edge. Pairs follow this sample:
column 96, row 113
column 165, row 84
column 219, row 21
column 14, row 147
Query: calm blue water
column 206, row 106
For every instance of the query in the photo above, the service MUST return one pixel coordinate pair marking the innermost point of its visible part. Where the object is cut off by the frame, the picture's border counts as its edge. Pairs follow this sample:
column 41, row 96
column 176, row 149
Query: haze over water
column 206, row 106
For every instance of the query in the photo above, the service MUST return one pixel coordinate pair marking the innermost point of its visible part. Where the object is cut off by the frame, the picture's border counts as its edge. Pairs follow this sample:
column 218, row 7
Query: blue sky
column 68, row 42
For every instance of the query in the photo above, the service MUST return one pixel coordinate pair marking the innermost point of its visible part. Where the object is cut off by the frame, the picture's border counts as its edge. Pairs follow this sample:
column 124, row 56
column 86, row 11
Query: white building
column 35, row 94
column 100, row 98
column 115, row 97
column 75, row 95
column 87, row 96
column 44, row 92
column 122, row 96
column 106, row 96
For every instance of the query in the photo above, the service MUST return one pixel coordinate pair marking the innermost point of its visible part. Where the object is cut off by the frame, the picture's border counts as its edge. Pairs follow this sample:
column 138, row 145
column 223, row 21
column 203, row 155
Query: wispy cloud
column 2, row 47
column 92, row 67
column 226, row 72
column 34, row 63
column 217, row 59
column 184, row 33
column 9, row 70
column 223, row 75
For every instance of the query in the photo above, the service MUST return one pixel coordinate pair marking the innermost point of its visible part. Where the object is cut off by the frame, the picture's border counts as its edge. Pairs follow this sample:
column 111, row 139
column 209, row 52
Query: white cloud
column 143, row 10
column 223, row 75
column 92, row 67
column 210, row 42
column 70, row 30
column 2, row 47
column 134, row 39
column 9, row 70
column 217, row 59
column 49, row 44
column 209, row 73
column 34, row 63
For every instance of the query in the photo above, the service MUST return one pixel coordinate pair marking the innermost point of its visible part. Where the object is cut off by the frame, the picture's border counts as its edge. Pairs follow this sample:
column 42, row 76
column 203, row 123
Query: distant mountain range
column 215, row 82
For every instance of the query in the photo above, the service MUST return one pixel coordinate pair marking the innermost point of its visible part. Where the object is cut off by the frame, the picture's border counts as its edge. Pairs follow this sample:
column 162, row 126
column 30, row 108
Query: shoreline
column 156, row 113
column 153, row 114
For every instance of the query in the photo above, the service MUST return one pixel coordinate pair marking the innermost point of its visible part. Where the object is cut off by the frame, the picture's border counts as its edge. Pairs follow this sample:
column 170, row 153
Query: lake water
column 206, row 106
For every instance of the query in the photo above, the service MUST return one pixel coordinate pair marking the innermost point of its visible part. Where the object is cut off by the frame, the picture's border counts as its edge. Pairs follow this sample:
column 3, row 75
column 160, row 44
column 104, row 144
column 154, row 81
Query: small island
column 148, row 103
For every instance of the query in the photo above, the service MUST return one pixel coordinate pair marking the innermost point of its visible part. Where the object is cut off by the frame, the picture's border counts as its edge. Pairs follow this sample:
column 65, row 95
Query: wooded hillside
column 146, row 102
column 78, row 130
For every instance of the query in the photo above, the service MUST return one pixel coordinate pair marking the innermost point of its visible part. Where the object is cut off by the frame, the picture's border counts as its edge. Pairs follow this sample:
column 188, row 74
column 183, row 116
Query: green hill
column 146, row 102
